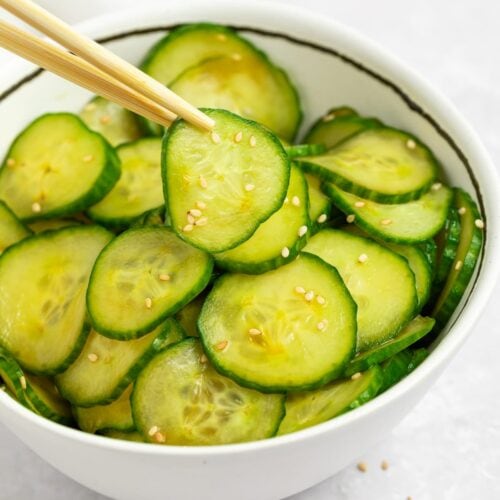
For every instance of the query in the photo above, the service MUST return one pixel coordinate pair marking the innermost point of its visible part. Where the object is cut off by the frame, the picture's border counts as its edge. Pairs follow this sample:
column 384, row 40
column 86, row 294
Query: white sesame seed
column 203, row 358
column 88, row 158
column 350, row 218
column 222, row 345
column 195, row 212
column 462, row 210
column 105, row 119
column 254, row 331
column 479, row 223
column 11, row 162
column 236, row 57
column 164, row 277
column 201, row 221
column 203, row 182
column 322, row 218
column 249, row 187
column 201, row 205
column 436, row 186
column 309, row 296
column 356, row 376
column 329, row 117
column 148, row 302
column 92, row 357
column 411, row 144
column 386, row 222
column 190, row 218
column 187, row 228
column 300, row 289
column 36, row 207
column 153, row 430
column 321, row 326
column 320, row 300
column 363, row 258
column 458, row 265
column 215, row 137
column 253, row 141
column 160, row 437
column 238, row 137
column 296, row 201
column 359, row 204
column 302, row 231
column 285, row 252
column 22, row 379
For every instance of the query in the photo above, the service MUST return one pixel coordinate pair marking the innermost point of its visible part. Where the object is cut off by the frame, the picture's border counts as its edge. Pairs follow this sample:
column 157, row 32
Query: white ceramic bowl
column 331, row 65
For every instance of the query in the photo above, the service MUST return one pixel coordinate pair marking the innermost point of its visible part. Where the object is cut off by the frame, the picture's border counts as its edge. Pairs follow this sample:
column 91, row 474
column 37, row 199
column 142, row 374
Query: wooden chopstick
column 105, row 60
column 78, row 71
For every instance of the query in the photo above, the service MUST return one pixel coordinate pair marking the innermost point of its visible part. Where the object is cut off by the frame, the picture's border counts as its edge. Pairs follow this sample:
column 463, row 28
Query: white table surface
column 448, row 448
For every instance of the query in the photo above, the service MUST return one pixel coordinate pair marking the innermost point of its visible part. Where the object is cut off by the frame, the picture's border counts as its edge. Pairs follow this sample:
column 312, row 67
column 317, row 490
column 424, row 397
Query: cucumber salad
column 192, row 287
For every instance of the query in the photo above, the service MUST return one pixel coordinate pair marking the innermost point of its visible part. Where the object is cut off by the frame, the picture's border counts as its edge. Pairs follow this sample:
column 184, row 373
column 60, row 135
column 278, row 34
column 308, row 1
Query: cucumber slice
column 188, row 315
column 321, row 209
column 42, row 225
column 332, row 129
column 468, row 251
column 57, row 167
column 380, row 282
column 279, row 239
column 12, row 229
column 298, row 150
column 219, row 191
column 155, row 217
column 117, row 415
column 139, row 188
column 306, row 409
column 180, row 399
column 13, row 377
column 411, row 222
column 245, row 81
column 106, row 367
column 411, row 333
column 124, row 436
column 147, row 272
column 401, row 365
column 116, row 124
column 381, row 164
column 429, row 248
column 42, row 321
column 264, row 333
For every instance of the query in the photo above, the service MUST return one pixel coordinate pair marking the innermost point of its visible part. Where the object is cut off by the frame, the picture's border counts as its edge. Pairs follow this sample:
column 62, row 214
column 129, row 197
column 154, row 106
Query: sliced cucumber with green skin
column 218, row 190
column 409, row 335
column 331, row 129
column 401, row 365
column 279, row 239
column 124, row 436
column 306, row 409
column 377, row 164
column 297, row 150
column 13, row 377
column 180, row 399
column 116, row 124
column 412, row 222
column 468, row 252
column 247, row 82
column 188, row 315
column 147, row 272
column 43, row 280
column 42, row 225
column 106, row 367
column 321, row 209
column 290, row 329
column 57, row 167
column 429, row 248
column 154, row 217
column 139, row 188
column 117, row 415
column 12, row 229
column 380, row 282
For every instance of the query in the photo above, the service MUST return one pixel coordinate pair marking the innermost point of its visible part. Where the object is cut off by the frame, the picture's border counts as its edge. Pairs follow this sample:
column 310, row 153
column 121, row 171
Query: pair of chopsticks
column 93, row 67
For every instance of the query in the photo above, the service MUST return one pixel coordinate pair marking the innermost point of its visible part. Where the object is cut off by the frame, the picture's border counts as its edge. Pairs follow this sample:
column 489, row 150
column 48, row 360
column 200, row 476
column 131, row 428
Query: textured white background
column 448, row 448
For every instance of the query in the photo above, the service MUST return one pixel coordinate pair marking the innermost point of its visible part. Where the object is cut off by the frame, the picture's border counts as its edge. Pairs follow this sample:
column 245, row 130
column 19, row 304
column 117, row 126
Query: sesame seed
column 359, row 204
column 201, row 205
column 201, row 221
column 22, row 379
column 362, row 467
column 153, row 430
column 105, row 119
column 350, row 218
column 321, row 326
column 254, row 332
column 285, row 252
column 363, row 258
column 249, row 187
column 238, row 137
column 411, row 144
column 36, row 207
column 148, row 302
column 92, row 357
column 322, row 218
column 203, row 359
column 187, row 228
column 296, row 201
column 195, row 212
column 236, row 57
column 222, row 345
column 190, row 218
column 215, row 137
column 386, row 222
column 300, row 290
column 253, row 141
column 302, row 231
column 164, row 277
column 159, row 437
column 309, row 296
column 479, row 223
column 436, row 186
column 329, row 117
column 11, row 162
column 203, row 182
column 356, row 376
column 88, row 158
column 320, row 300
column 384, row 465
column 458, row 265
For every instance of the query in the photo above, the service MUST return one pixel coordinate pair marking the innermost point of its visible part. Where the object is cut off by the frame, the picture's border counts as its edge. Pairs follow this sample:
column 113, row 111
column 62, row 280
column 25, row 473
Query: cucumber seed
column 201, row 205
column 222, row 345
column 215, row 137
column 88, row 158
column 238, row 137
column 36, row 207
column 254, row 332
column 386, row 222
column 309, row 296
column 148, row 302
column 164, row 277
column 249, row 187
column 92, row 357
column 253, row 141
column 187, row 228
column 300, row 290
column 363, row 258
column 320, row 300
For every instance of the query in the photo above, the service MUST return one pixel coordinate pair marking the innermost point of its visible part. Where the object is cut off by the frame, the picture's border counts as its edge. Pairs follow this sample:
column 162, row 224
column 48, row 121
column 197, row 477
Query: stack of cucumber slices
column 226, row 286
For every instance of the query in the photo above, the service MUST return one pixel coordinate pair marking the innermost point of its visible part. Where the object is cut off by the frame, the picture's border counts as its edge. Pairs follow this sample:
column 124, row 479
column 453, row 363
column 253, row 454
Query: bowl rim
column 101, row 27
